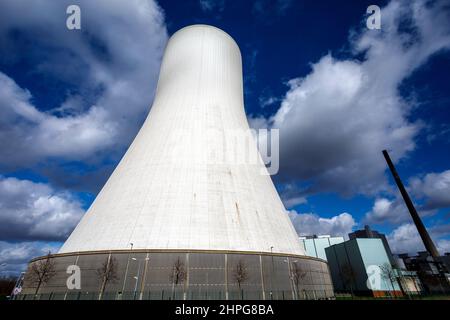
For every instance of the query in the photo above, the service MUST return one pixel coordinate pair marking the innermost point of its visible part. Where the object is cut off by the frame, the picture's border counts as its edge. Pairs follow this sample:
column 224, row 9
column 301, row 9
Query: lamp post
column 144, row 277
column 291, row 277
column 136, row 277
column 273, row 274
column 173, row 282
column 126, row 269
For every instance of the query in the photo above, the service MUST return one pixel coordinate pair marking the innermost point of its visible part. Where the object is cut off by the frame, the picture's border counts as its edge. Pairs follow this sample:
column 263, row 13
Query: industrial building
column 357, row 266
column 315, row 246
column 368, row 233
column 432, row 272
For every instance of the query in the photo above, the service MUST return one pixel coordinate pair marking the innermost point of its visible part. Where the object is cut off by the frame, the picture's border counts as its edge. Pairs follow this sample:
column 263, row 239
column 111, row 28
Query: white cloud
column 29, row 134
column 434, row 188
column 335, row 121
column 311, row 224
column 406, row 239
column 431, row 192
column 34, row 211
column 443, row 246
column 293, row 201
column 290, row 196
column 112, row 63
column 267, row 101
column 385, row 210
column 15, row 256
column 109, row 69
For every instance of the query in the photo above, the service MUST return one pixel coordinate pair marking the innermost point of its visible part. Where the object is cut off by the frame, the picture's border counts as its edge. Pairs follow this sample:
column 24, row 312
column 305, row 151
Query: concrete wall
column 213, row 275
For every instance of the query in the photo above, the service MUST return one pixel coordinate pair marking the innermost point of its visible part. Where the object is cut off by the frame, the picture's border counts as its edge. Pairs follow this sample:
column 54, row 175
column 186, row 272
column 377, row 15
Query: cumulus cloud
column 110, row 68
column 311, row 224
column 28, row 134
column 335, row 121
column 434, row 188
column 431, row 192
column 290, row 195
column 406, row 239
column 35, row 211
column 385, row 210
column 443, row 246
column 15, row 256
column 267, row 101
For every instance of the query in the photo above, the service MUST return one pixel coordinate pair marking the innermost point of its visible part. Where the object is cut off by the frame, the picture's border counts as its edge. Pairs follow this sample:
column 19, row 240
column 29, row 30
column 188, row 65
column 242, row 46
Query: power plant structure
column 433, row 270
column 426, row 239
column 177, row 219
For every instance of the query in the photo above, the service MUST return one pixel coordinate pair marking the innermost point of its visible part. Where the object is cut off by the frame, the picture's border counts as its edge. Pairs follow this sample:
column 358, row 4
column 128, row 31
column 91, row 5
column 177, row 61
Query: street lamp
column 126, row 269
column 273, row 274
column 136, row 277
column 291, row 276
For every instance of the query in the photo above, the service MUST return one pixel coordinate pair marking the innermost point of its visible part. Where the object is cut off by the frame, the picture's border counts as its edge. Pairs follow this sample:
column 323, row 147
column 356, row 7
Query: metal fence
column 179, row 295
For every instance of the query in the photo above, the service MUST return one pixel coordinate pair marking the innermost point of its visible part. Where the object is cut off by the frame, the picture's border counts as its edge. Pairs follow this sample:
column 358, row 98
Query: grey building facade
column 356, row 265
column 315, row 246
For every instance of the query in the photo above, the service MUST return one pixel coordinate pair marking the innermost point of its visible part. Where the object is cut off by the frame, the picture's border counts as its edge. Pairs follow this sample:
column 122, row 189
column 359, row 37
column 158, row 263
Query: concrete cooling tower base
column 184, row 275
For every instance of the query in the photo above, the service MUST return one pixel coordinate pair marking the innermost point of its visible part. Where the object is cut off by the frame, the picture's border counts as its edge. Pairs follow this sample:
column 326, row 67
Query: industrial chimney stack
column 427, row 241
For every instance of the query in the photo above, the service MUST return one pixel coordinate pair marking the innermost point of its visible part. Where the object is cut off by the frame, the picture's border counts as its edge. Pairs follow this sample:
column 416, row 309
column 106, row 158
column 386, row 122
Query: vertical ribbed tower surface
column 170, row 190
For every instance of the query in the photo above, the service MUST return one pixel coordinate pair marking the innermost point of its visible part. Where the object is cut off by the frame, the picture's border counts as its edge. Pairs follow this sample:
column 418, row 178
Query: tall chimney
column 427, row 241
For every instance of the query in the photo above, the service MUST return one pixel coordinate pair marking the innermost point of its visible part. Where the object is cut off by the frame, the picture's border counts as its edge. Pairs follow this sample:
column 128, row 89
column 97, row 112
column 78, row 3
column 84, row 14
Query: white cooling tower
column 170, row 190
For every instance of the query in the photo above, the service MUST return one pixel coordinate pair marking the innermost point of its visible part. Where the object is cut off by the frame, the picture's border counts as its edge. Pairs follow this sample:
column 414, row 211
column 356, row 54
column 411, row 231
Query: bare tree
column 298, row 274
column 388, row 273
column 178, row 274
column 348, row 277
column 240, row 274
column 41, row 272
column 107, row 273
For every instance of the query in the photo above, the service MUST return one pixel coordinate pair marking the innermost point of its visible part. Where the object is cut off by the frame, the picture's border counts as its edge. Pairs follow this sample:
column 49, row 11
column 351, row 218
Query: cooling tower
column 171, row 190
column 176, row 195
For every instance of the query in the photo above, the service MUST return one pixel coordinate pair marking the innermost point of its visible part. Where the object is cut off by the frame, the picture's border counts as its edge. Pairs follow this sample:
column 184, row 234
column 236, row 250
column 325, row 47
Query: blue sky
column 72, row 101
